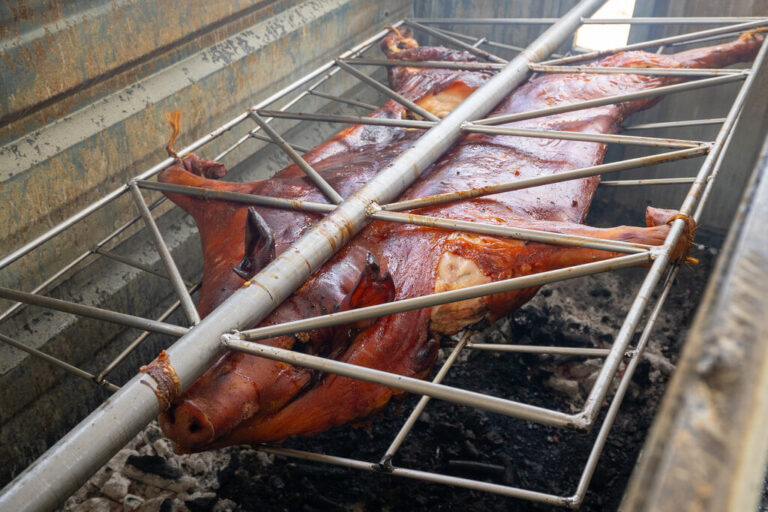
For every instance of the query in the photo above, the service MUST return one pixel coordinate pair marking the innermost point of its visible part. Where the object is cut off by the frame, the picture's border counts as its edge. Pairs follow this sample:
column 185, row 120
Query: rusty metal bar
column 461, row 44
column 585, row 172
column 165, row 255
column 607, row 138
column 671, row 20
column 659, row 181
column 609, row 100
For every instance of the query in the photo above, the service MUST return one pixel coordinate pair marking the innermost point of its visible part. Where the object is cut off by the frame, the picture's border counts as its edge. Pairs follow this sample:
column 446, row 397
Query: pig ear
column 259, row 245
column 372, row 288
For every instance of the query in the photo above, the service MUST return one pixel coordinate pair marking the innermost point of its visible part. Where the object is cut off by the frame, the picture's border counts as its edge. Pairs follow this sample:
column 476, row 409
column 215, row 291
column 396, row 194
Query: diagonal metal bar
column 165, row 255
column 585, row 172
column 476, row 66
column 311, row 173
column 387, row 91
column 386, row 460
column 238, row 197
column 93, row 312
column 532, row 235
column 662, row 41
column 461, row 44
column 135, row 264
column 494, row 44
column 336, row 118
column 608, row 138
column 435, row 299
column 97, row 437
column 57, row 362
column 347, row 101
column 605, row 70
column 674, row 124
column 141, row 337
column 256, row 136
column 608, row 100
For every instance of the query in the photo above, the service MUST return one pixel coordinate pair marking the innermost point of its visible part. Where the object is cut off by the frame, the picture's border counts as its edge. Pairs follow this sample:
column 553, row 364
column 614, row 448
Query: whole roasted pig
column 246, row 399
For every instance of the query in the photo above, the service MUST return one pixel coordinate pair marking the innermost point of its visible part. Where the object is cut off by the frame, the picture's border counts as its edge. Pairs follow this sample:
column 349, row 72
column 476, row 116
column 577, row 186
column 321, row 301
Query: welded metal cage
column 81, row 452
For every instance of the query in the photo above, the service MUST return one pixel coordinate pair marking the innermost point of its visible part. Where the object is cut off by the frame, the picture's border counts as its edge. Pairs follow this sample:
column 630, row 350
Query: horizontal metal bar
column 449, row 39
column 141, row 337
column 336, row 118
column 347, row 101
column 602, row 70
column 585, row 172
column 487, row 42
column 608, row 138
column 662, row 41
column 532, row 235
column 535, row 349
column 57, row 362
column 435, row 299
column 386, row 91
column 439, row 391
column 93, row 312
column 693, row 20
column 315, row 177
column 422, row 404
column 674, row 124
column 263, row 138
column 608, row 100
column 174, row 276
column 472, row 66
column 477, row 485
column 223, row 195
column 659, row 181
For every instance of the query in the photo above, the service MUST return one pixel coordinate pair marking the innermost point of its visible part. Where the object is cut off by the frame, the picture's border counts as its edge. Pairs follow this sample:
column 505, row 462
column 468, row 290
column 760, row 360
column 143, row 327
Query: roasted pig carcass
column 247, row 399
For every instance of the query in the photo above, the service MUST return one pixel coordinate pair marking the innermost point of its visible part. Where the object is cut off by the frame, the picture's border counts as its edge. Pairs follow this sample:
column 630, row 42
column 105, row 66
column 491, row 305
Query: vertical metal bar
column 387, row 91
column 66, row 465
column 170, row 266
column 312, row 174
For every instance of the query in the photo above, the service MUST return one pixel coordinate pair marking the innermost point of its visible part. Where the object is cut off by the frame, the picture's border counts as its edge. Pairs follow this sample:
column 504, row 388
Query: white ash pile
column 147, row 476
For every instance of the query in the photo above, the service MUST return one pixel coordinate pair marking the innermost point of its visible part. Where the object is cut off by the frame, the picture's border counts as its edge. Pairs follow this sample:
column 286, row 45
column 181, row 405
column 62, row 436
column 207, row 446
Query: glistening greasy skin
column 244, row 399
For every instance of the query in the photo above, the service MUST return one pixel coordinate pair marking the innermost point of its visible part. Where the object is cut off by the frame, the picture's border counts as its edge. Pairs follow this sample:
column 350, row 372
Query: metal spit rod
column 66, row 465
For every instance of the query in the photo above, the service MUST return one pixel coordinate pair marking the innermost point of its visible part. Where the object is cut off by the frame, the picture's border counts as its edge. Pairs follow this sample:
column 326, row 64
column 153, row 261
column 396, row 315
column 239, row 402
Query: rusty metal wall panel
column 706, row 103
column 708, row 447
column 50, row 173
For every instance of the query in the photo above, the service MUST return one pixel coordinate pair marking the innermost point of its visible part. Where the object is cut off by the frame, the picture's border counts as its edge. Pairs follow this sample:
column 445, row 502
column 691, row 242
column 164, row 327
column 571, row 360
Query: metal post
column 84, row 449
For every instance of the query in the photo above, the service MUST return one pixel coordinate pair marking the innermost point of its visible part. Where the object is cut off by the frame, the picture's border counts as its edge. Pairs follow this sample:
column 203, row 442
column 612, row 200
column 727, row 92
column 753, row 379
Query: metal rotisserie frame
column 81, row 452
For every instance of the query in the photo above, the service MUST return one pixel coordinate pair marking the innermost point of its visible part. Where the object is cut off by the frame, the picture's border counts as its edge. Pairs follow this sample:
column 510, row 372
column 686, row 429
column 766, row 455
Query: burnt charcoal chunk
column 154, row 465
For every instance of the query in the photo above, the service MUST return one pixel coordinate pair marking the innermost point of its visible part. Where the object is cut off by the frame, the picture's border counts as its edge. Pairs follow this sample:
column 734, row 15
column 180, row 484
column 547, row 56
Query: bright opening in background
column 603, row 37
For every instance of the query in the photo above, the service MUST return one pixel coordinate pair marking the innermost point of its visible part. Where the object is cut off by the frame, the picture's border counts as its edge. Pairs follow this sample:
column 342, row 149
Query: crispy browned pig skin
column 246, row 399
